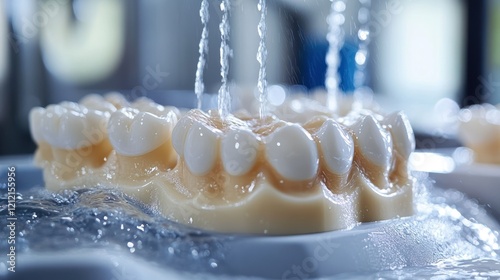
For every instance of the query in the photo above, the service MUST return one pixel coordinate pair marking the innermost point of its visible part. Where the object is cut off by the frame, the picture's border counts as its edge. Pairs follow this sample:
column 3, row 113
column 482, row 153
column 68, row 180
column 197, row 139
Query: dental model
column 479, row 129
column 239, row 174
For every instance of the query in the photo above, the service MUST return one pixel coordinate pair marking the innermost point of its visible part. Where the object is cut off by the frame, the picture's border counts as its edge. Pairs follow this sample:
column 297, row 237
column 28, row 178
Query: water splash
column 335, row 39
column 199, row 86
column 104, row 218
column 363, row 35
column 262, row 58
column 224, row 101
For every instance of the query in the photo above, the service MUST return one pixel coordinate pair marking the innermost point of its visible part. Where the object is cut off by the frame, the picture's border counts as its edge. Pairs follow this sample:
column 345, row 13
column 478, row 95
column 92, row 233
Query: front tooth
column 97, row 102
column 402, row 133
column 179, row 134
column 337, row 147
column 73, row 126
column 200, row 149
column 374, row 142
column 134, row 133
column 36, row 115
column 239, row 151
column 291, row 151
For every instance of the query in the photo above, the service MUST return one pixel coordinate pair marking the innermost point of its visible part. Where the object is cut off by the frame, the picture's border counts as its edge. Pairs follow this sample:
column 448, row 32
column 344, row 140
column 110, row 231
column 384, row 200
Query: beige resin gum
column 64, row 165
column 265, row 211
column 268, row 210
column 133, row 175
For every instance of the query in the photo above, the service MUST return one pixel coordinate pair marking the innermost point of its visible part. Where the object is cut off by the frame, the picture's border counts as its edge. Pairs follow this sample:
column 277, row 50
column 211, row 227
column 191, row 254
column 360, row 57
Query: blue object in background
column 313, row 64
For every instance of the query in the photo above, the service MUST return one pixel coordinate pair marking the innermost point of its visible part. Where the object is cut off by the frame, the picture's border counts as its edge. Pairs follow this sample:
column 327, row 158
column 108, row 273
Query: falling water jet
column 335, row 39
column 224, row 99
column 363, row 35
column 199, row 86
column 262, row 58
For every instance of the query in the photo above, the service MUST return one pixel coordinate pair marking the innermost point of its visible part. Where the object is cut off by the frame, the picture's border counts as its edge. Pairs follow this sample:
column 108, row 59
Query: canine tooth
column 134, row 133
column 200, row 149
column 36, row 115
column 373, row 142
column 72, row 126
column 239, row 151
column 402, row 133
column 97, row 102
column 291, row 151
column 337, row 147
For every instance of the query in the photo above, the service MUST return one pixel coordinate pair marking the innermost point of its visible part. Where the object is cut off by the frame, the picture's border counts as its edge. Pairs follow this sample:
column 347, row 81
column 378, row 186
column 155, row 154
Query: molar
column 117, row 99
column 145, row 104
column 71, row 126
column 134, row 133
column 97, row 102
column 35, row 118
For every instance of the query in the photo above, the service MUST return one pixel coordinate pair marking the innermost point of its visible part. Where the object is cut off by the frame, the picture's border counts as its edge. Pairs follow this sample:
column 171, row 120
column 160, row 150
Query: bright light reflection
column 430, row 162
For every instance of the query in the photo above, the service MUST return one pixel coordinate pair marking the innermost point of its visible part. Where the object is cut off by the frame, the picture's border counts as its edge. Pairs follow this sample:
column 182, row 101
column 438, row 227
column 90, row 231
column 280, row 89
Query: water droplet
column 67, row 219
column 194, row 252
column 141, row 227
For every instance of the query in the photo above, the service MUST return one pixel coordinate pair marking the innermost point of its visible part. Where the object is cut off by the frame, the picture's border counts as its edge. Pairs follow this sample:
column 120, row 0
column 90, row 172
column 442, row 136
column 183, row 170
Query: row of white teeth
column 142, row 126
column 133, row 129
column 291, row 150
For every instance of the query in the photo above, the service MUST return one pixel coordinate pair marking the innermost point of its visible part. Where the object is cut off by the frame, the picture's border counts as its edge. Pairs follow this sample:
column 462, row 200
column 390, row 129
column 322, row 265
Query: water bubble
column 194, row 252
column 171, row 250
column 67, row 219
column 213, row 263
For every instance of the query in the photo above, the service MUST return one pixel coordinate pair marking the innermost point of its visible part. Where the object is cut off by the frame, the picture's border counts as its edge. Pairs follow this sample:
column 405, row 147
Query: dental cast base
column 479, row 130
column 238, row 174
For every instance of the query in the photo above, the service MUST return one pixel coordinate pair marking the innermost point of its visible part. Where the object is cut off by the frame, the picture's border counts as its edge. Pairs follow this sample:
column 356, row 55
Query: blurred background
column 426, row 57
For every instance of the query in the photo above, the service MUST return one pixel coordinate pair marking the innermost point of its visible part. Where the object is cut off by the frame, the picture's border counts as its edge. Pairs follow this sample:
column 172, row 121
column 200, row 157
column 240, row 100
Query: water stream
column 335, row 38
column 224, row 98
column 199, row 86
column 262, row 58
